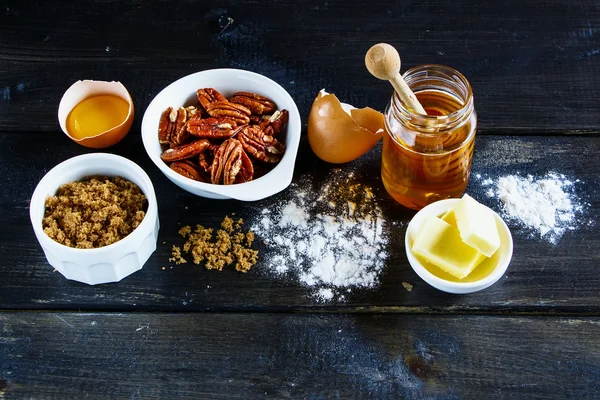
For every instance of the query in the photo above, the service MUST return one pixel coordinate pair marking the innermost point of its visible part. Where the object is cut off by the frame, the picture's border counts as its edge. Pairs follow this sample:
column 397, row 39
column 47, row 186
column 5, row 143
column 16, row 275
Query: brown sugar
column 229, row 245
column 186, row 230
column 227, row 224
column 176, row 256
column 94, row 212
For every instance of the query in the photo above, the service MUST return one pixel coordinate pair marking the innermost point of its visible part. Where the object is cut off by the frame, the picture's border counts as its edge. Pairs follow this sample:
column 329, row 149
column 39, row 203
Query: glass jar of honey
column 426, row 158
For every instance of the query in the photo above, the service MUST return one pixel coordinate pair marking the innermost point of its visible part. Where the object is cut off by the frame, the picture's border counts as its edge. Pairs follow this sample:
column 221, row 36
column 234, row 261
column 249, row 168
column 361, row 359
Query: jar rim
column 413, row 75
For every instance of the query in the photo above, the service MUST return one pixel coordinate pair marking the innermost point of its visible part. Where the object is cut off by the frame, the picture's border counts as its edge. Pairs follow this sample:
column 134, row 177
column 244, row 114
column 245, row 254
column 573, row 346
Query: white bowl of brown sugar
column 96, row 218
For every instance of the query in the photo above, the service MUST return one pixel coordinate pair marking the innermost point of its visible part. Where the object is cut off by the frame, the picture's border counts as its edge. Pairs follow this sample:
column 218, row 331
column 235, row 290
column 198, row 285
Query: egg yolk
column 95, row 115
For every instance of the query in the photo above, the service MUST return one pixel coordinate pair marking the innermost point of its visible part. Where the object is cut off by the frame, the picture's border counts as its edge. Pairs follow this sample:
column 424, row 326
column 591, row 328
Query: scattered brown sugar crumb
column 238, row 238
column 176, row 256
column 94, row 212
column 245, row 257
column 186, row 230
column 227, row 224
column 249, row 238
column 230, row 245
column 238, row 224
column 407, row 286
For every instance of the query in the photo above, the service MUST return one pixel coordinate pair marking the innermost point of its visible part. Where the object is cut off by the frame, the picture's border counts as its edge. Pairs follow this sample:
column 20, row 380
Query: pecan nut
column 218, row 140
column 231, row 111
column 180, row 134
column 246, row 171
column 209, row 95
column 188, row 169
column 256, row 120
column 172, row 126
column 227, row 163
column 259, row 145
column 215, row 128
column 166, row 125
column 205, row 160
column 276, row 122
column 185, row 151
column 257, row 104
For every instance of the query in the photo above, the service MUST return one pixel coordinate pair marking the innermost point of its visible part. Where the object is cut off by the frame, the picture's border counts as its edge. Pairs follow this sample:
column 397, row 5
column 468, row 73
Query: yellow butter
column 440, row 243
column 477, row 225
column 450, row 218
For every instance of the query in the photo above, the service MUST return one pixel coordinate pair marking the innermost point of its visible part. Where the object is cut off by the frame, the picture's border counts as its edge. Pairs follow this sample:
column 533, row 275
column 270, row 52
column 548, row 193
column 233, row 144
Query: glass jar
column 426, row 158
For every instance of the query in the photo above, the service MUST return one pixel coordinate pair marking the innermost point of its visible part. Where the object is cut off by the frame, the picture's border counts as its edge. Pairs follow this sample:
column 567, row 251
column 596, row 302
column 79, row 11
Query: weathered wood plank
column 71, row 355
column 542, row 277
column 531, row 63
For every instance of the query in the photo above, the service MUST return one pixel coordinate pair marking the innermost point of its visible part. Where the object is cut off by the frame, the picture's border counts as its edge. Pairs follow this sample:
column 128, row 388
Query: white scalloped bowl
column 485, row 275
column 105, row 264
column 227, row 81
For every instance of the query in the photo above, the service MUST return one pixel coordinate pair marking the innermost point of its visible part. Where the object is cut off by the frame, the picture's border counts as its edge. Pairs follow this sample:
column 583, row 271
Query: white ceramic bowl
column 105, row 264
column 478, row 279
column 227, row 81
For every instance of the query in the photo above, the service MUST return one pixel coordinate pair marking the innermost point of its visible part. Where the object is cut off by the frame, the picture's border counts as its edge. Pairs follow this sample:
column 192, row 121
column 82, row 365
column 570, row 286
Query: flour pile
column 547, row 205
column 331, row 239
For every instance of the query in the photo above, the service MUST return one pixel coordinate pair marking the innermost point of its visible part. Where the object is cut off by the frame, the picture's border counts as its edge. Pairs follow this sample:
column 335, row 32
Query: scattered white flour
column 331, row 239
column 546, row 205
column 324, row 294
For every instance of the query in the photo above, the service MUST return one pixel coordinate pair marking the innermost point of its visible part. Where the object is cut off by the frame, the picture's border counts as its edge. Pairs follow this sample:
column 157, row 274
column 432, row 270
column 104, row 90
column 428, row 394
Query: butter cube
column 450, row 218
column 440, row 243
column 477, row 225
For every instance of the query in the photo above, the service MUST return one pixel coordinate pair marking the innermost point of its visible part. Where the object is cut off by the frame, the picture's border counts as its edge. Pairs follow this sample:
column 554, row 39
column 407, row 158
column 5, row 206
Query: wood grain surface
column 62, row 355
column 184, row 332
column 542, row 276
column 531, row 64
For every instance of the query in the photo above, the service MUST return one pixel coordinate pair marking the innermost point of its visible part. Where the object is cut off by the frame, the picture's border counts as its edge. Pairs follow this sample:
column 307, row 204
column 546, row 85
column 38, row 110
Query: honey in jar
column 426, row 158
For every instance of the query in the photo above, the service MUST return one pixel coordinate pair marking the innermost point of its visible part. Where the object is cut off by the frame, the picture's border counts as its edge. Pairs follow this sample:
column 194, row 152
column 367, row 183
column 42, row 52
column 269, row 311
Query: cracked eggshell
column 82, row 90
column 338, row 132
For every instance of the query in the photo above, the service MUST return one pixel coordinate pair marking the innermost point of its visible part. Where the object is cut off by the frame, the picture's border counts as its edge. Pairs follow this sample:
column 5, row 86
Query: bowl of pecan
column 224, row 134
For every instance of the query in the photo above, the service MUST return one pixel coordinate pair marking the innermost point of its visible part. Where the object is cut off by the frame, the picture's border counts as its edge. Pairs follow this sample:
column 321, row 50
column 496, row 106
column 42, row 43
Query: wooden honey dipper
column 383, row 62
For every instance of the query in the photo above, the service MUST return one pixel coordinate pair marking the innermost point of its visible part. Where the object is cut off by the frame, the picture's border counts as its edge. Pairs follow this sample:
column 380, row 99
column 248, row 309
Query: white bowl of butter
column 485, row 274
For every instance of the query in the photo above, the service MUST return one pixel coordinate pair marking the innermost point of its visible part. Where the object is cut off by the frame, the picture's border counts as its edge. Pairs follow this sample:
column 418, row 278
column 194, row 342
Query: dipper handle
column 383, row 62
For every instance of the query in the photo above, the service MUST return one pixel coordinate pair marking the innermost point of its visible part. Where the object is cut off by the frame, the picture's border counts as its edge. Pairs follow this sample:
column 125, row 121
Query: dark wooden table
column 192, row 333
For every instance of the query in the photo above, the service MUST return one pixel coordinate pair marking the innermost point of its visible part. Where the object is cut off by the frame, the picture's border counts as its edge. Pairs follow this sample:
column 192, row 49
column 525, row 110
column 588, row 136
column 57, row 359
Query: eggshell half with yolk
column 82, row 90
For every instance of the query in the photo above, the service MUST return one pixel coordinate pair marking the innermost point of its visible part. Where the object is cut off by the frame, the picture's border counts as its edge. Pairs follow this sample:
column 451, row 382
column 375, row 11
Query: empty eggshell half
column 338, row 132
column 82, row 90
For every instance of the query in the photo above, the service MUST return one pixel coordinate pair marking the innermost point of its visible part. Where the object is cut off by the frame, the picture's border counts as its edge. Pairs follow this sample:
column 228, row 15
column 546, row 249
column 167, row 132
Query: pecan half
column 185, row 151
column 191, row 111
column 188, row 169
column 256, row 103
column 166, row 125
column 227, row 162
column 209, row 95
column 205, row 160
column 213, row 128
column 172, row 126
column 180, row 134
column 232, row 111
column 246, row 171
column 259, row 145
column 276, row 122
